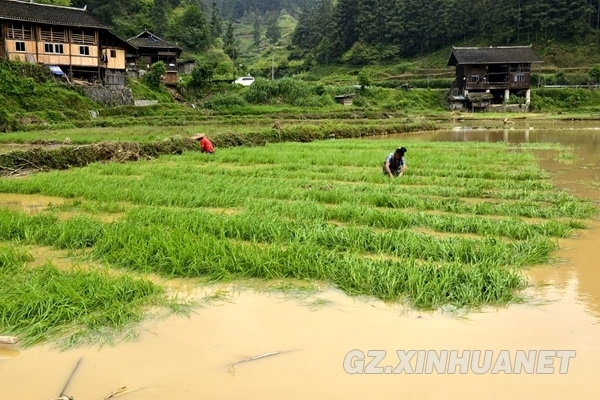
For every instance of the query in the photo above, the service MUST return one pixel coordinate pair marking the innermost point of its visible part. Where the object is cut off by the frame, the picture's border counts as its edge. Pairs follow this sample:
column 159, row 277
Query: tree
column 256, row 31
column 229, row 40
column 594, row 73
column 304, row 28
column 273, row 31
column 364, row 79
column 158, row 16
column 154, row 76
column 215, row 22
column 201, row 75
column 192, row 29
column 344, row 32
column 314, row 21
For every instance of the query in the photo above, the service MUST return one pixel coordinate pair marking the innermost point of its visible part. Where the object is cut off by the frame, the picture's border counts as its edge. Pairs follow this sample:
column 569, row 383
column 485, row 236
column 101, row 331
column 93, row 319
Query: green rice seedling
column 177, row 252
column 513, row 228
column 317, row 212
column 566, row 157
column 401, row 243
column 45, row 303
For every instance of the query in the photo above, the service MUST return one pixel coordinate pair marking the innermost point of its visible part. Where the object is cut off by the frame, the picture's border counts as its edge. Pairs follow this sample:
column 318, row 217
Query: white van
column 244, row 81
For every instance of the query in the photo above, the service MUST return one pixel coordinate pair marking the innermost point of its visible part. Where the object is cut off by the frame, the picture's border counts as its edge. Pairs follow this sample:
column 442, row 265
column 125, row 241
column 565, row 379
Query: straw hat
column 198, row 136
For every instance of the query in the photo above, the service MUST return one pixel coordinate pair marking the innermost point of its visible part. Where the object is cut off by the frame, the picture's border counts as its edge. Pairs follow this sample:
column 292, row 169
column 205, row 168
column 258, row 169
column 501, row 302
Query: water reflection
column 585, row 139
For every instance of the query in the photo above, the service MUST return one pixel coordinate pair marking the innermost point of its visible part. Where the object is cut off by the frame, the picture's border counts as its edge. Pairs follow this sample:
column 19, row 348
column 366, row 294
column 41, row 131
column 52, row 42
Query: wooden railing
column 52, row 35
column 83, row 39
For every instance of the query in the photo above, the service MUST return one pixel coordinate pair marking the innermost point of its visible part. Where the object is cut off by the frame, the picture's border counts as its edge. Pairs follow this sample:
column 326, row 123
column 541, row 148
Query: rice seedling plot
column 73, row 307
column 319, row 211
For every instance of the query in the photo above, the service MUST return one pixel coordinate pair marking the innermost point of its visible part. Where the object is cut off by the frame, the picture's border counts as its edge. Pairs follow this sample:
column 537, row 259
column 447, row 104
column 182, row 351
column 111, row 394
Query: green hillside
column 29, row 95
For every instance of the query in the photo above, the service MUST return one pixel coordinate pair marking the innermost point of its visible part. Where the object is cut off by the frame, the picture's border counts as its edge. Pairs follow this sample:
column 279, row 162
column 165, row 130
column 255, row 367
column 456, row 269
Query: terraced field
column 456, row 231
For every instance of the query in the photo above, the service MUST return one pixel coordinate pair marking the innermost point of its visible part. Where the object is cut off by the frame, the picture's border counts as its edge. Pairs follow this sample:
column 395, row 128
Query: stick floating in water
column 62, row 393
column 116, row 393
column 120, row 392
column 275, row 353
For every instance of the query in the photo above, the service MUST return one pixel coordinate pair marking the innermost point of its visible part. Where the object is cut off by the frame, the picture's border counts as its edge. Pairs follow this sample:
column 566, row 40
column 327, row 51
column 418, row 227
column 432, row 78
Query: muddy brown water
column 31, row 204
column 190, row 358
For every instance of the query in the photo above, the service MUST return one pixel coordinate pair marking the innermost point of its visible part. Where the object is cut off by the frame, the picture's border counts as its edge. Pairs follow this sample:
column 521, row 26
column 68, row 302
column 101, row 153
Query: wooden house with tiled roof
column 69, row 38
column 493, row 73
column 152, row 49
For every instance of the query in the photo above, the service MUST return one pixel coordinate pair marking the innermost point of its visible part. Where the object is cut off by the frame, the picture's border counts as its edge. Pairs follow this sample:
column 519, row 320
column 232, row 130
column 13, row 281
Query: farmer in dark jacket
column 395, row 165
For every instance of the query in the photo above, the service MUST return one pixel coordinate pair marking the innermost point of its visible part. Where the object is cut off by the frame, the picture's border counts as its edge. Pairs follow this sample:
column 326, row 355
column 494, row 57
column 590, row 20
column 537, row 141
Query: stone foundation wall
column 109, row 97
column 504, row 108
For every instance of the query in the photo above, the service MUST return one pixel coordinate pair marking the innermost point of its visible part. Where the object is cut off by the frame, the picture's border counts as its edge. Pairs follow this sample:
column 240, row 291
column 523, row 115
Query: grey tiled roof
column 493, row 55
column 48, row 14
column 149, row 40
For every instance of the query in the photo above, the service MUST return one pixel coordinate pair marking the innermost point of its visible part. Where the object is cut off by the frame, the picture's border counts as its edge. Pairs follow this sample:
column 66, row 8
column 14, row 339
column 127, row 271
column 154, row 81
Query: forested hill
column 354, row 32
column 129, row 16
column 386, row 29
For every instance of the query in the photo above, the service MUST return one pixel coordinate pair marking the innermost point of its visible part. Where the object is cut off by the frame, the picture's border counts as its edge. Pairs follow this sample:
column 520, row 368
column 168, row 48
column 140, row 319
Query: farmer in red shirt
column 205, row 144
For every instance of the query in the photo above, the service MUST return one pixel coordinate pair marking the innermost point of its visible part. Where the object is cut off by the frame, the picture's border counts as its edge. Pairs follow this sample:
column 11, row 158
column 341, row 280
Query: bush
column 363, row 54
column 38, row 73
column 281, row 91
column 594, row 74
column 8, row 122
column 201, row 76
column 142, row 91
column 224, row 68
column 516, row 100
column 224, row 101
column 320, row 90
column 153, row 77
column 564, row 99
column 364, row 79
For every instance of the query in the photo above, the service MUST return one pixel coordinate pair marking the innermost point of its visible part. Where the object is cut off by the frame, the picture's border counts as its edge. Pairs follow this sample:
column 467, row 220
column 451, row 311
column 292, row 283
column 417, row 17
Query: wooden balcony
column 519, row 85
column 496, row 85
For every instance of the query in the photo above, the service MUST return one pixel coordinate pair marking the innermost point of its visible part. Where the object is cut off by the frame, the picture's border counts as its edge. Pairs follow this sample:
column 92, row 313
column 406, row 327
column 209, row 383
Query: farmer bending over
column 394, row 165
column 205, row 145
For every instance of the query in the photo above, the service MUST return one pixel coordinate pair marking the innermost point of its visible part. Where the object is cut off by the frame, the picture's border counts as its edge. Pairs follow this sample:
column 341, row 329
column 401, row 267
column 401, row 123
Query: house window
column 519, row 77
column 475, row 78
column 20, row 46
column 84, row 50
column 113, row 54
column 54, row 48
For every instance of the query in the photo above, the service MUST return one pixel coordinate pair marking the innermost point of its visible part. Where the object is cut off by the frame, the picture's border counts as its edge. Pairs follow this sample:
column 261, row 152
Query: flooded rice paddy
column 191, row 358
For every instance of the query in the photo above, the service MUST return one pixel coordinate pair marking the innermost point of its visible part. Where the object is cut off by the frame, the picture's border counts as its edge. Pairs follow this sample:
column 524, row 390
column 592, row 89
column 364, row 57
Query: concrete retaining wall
column 145, row 103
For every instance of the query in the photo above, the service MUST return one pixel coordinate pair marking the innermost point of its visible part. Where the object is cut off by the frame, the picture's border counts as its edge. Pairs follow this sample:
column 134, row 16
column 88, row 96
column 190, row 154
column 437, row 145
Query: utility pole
column 233, row 61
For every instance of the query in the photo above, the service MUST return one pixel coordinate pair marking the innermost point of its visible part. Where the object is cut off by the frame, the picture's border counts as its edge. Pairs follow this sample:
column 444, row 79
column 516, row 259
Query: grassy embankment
column 453, row 232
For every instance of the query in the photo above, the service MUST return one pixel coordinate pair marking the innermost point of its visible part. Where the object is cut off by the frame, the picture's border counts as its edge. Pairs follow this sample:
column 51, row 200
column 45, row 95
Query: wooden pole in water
column 69, row 380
